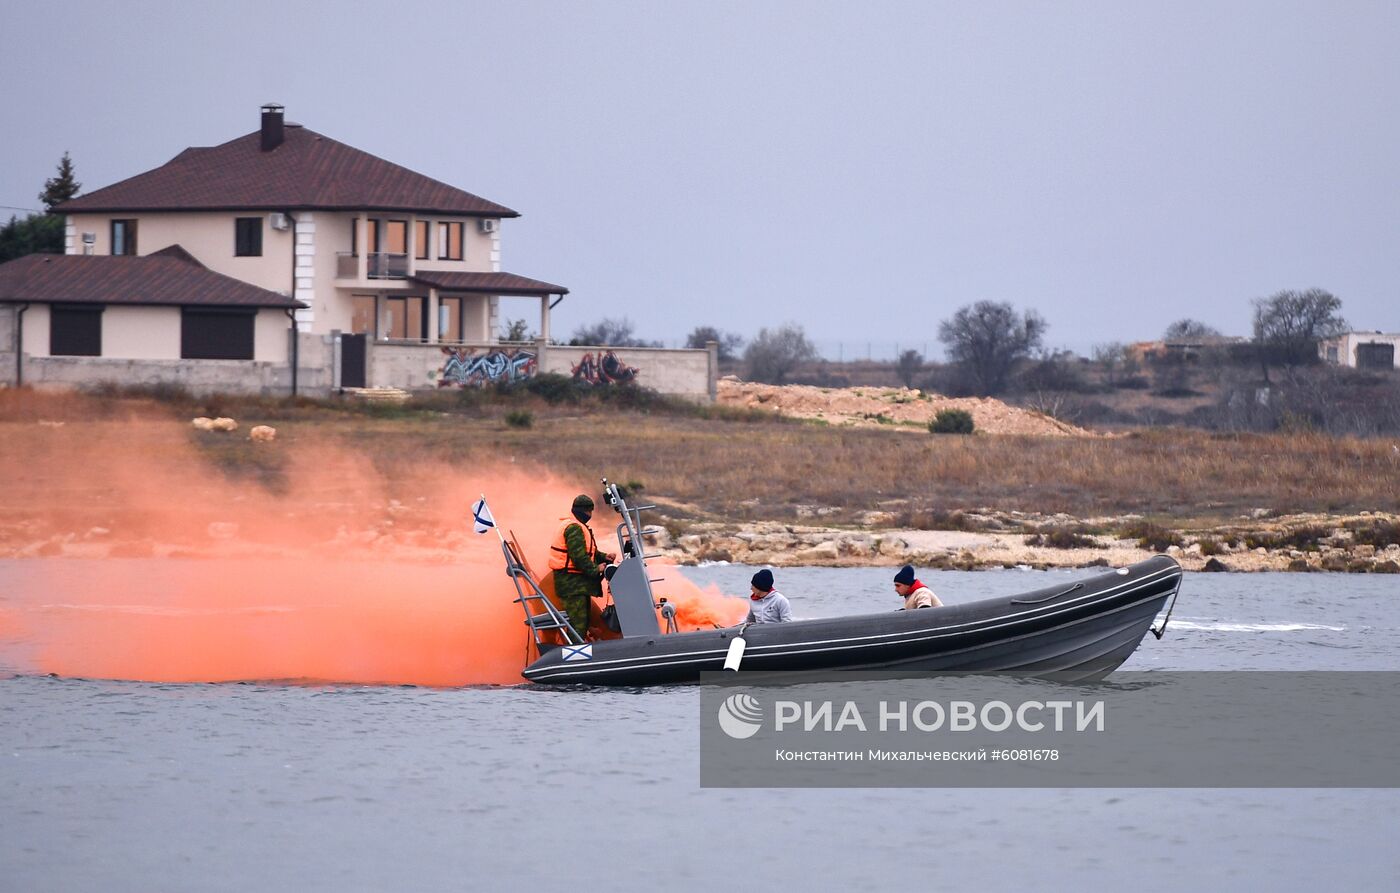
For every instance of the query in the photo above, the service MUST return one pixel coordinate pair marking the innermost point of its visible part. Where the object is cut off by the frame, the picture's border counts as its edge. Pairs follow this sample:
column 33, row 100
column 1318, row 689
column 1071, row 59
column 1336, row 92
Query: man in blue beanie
column 766, row 604
column 915, row 594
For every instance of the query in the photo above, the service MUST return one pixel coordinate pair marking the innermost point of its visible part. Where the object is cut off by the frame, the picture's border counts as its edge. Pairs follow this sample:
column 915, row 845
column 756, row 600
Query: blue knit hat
column 905, row 577
column 763, row 580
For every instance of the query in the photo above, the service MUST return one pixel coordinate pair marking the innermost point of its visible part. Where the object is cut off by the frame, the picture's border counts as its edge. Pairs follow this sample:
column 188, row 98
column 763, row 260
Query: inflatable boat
column 1074, row 629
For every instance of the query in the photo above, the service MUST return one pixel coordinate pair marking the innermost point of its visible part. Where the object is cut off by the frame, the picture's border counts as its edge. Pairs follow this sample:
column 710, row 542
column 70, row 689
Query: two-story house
column 365, row 273
column 365, row 246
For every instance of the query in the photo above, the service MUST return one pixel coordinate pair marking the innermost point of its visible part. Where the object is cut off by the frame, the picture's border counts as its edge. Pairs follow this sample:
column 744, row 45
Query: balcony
column 378, row 265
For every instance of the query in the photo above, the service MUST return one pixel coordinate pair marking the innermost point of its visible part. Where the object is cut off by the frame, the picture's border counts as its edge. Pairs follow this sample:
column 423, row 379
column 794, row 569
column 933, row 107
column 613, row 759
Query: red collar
column 759, row 598
column 916, row 586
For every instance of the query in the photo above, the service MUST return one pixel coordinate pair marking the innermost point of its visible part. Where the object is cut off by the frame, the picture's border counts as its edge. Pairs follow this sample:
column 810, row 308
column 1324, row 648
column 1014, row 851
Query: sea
column 132, row 786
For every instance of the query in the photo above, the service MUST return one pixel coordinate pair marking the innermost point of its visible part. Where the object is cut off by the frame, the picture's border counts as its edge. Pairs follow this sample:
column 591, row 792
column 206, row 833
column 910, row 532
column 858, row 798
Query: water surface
column 135, row 786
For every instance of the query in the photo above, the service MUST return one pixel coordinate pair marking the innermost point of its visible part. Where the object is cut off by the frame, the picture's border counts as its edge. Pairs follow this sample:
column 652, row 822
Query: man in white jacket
column 766, row 604
column 915, row 594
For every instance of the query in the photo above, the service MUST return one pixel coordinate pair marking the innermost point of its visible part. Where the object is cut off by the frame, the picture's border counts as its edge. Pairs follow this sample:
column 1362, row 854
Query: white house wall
column 317, row 238
column 272, row 336
column 1346, row 346
column 36, row 330
column 209, row 236
column 141, row 333
column 153, row 333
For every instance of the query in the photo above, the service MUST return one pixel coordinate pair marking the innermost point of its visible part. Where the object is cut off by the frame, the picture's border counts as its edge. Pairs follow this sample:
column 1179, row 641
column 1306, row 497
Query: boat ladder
column 541, row 615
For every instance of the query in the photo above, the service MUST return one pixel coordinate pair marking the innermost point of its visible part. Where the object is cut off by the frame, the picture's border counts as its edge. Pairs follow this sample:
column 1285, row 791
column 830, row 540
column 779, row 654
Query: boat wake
column 1227, row 627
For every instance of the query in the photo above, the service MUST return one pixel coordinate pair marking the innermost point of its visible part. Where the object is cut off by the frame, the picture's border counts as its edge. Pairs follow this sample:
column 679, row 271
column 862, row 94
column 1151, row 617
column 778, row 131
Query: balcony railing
column 378, row 265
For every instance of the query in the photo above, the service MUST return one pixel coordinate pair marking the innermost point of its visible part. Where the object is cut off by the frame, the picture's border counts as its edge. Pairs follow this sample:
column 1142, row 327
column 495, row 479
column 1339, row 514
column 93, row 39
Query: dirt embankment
column 898, row 407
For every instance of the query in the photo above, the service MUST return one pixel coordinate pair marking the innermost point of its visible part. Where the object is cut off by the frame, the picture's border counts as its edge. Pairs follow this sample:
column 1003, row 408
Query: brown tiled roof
column 164, row 278
column 307, row 171
column 488, row 283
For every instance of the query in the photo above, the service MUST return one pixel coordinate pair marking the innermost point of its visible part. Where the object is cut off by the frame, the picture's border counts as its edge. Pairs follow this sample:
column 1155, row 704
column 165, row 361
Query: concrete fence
column 691, row 374
column 274, row 379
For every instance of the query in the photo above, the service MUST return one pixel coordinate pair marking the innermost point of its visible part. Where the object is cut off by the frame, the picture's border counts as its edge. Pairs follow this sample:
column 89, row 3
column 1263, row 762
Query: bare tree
column 1288, row 325
column 1111, row 358
column 910, row 364
column 610, row 333
column 773, row 355
column 729, row 343
column 1189, row 330
column 987, row 339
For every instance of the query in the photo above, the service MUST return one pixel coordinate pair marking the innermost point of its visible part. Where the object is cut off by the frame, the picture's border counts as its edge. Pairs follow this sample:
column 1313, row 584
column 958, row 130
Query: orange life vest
column 559, row 551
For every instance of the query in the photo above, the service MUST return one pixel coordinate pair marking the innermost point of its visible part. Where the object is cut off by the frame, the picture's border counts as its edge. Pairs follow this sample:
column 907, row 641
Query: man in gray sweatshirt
column 766, row 604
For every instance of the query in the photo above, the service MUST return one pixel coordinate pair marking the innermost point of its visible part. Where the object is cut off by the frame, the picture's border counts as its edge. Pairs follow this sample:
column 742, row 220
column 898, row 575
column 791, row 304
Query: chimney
column 271, row 126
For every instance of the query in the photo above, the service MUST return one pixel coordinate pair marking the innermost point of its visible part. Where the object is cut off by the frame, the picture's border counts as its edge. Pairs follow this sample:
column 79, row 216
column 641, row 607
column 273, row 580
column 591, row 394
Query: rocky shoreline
column 1331, row 543
column 1368, row 542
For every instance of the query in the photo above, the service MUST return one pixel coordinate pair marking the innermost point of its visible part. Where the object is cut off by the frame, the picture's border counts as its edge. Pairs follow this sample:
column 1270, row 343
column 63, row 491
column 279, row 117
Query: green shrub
column 1152, row 536
column 1377, row 533
column 555, row 388
column 1306, row 539
column 377, row 409
column 936, row 519
column 520, row 418
column 951, row 421
column 1060, row 538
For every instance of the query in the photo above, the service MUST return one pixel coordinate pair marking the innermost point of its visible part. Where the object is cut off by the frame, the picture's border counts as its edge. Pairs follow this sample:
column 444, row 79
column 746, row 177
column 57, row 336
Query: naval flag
column 481, row 514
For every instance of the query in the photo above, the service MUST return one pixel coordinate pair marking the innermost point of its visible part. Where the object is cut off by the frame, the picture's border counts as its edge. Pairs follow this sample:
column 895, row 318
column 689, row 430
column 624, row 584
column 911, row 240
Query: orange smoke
column 302, row 559
column 698, row 608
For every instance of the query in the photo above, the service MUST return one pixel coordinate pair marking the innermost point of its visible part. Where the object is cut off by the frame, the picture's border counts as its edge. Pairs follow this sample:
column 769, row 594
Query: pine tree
column 61, row 188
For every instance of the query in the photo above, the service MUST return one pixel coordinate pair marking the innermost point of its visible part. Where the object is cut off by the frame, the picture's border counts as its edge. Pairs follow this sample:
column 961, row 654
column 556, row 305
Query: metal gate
column 352, row 361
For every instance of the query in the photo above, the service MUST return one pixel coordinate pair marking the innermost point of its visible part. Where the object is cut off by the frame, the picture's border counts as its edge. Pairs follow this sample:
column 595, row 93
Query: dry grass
column 738, row 469
column 744, row 470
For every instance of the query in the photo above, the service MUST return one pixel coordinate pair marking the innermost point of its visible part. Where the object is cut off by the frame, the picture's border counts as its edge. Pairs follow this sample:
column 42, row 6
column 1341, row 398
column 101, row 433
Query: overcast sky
column 863, row 169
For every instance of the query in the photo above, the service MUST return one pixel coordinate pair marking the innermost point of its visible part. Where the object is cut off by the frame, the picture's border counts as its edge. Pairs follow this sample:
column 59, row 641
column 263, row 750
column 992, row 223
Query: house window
column 420, row 239
column 75, row 330
column 405, row 319
column 396, row 236
column 123, row 236
column 449, row 241
column 247, row 237
column 362, row 315
column 450, row 319
column 371, row 236
column 210, row 333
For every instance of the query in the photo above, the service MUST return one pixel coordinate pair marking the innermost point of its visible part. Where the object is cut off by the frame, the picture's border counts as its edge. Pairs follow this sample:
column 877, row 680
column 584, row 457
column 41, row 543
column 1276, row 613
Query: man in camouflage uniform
column 577, row 564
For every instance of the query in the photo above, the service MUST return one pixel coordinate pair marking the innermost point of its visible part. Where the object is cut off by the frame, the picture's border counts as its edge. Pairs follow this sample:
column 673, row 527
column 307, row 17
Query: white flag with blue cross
column 481, row 515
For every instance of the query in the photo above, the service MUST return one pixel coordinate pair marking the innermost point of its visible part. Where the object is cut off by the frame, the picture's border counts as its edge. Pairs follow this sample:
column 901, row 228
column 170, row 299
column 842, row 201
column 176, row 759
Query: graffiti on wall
column 467, row 369
column 606, row 369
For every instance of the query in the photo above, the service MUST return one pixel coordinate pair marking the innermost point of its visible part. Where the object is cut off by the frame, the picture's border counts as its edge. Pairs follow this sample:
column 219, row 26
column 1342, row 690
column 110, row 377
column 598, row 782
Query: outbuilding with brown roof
column 168, row 277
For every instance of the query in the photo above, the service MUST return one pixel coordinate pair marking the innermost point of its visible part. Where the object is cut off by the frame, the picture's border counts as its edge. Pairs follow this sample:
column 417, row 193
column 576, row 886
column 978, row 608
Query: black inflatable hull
column 1082, row 629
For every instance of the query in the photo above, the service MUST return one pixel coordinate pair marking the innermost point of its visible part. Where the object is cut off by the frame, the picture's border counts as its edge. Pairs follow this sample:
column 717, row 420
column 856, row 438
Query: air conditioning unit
column 278, row 221
column 488, row 225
